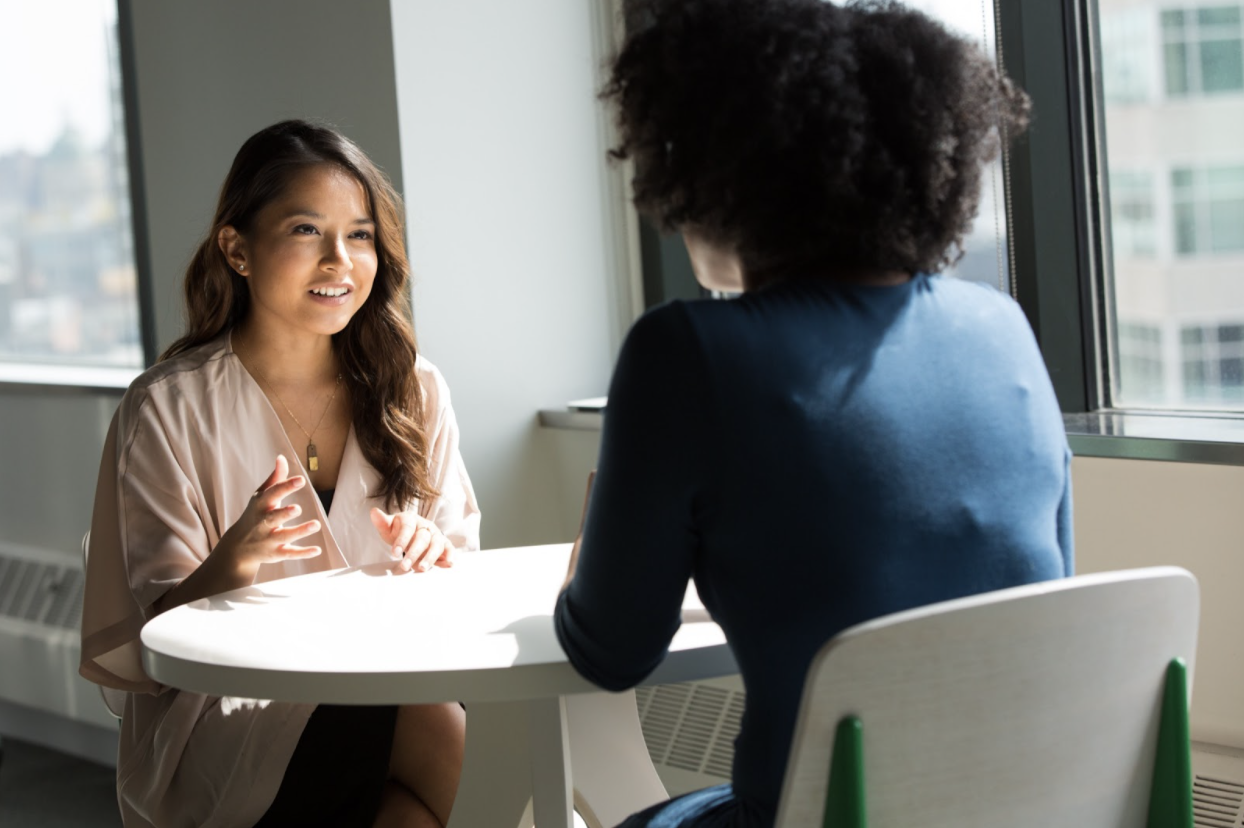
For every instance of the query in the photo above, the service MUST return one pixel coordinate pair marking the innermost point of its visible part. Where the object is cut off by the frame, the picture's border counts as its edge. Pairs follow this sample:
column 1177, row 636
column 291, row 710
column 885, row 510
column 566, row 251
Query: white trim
column 74, row 376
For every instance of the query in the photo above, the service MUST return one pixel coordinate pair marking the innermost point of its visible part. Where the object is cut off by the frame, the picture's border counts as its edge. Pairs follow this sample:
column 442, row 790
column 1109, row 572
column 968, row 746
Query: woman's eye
column 306, row 230
column 361, row 234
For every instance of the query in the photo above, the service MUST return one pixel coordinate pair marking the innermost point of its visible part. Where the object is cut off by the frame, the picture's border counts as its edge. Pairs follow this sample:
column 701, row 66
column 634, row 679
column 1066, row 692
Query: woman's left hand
column 414, row 539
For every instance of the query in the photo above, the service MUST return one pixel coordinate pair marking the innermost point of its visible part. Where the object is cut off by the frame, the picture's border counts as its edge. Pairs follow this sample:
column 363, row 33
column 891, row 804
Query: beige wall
column 1132, row 513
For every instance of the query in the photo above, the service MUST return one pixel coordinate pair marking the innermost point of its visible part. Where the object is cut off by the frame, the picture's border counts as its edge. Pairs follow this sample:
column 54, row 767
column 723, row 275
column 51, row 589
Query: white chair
column 114, row 699
column 1033, row 707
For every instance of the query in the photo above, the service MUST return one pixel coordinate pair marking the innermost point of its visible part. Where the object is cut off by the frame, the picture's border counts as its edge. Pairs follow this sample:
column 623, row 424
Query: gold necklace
column 313, row 459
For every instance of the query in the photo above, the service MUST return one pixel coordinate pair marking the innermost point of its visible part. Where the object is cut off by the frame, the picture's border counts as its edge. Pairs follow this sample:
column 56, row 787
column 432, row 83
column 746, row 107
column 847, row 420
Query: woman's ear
column 233, row 246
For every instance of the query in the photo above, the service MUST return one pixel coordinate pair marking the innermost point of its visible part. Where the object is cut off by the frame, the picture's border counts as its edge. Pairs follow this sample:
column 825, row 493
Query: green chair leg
column 1170, row 799
column 844, row 801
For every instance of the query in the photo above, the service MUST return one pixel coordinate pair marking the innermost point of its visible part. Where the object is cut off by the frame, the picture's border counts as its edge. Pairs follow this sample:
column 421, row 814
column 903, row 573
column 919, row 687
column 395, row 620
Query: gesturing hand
column 260, row 535
column 414, row 539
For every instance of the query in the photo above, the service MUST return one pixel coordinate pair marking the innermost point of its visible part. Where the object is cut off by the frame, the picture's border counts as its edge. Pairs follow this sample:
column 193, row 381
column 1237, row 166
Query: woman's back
column 830, row 453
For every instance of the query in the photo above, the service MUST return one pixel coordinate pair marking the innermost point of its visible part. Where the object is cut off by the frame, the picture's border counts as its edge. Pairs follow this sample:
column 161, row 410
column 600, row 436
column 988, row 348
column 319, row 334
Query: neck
column 286, row 360
column 868, row 277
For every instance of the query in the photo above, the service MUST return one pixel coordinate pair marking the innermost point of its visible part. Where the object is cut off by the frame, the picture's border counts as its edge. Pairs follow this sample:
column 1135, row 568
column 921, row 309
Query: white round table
column 539, row 737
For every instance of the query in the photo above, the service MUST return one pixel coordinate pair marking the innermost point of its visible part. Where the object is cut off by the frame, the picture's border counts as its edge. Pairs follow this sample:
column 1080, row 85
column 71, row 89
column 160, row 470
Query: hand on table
column 415, row 540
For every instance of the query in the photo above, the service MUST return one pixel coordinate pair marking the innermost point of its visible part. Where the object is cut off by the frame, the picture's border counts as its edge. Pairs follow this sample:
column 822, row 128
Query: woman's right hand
column 260, row 535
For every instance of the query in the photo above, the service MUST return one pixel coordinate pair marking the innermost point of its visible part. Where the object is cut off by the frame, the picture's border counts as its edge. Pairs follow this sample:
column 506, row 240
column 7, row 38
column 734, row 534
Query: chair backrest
column 114, row 699
column 1029, row 707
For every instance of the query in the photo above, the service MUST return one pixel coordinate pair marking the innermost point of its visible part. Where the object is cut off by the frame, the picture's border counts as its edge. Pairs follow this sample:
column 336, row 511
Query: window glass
column 1173, row 88
column 1202, row 49
column 1213, row 361
column 1140, row 358
column 1209, row 209
column 1133, row 210
column 68, row 287
column 1127, row 50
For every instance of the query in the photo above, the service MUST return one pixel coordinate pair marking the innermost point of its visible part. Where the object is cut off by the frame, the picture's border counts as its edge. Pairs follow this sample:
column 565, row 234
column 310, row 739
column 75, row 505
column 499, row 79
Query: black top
column 326, row 498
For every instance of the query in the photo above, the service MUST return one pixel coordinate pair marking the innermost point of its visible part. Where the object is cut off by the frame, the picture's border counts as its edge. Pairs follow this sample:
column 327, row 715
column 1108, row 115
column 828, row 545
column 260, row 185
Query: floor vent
column 41, row 592
column 1217, row 803
column 691, row 726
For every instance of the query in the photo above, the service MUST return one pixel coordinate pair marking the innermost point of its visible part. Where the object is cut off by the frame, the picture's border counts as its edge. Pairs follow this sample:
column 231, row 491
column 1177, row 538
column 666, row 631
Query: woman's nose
column 337, row 256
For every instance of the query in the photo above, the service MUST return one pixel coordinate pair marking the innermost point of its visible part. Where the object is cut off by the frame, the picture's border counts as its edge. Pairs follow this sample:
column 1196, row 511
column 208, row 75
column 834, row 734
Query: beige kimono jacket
column 191, row 441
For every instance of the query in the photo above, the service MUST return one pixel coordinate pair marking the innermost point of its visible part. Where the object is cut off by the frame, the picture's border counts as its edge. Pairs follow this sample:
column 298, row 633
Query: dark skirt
column 338, row 771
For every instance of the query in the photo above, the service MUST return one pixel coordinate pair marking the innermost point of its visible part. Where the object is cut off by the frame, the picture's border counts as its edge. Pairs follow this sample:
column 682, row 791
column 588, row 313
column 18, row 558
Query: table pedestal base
column 544, row 757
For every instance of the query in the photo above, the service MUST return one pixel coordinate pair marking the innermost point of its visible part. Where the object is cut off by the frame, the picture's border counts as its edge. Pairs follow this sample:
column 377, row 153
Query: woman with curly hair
column 299, row 355
column 853, row 436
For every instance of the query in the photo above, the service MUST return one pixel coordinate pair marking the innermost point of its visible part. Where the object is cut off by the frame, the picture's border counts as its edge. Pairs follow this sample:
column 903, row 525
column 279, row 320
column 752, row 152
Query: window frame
column 1062, row 230
column 1058, row 226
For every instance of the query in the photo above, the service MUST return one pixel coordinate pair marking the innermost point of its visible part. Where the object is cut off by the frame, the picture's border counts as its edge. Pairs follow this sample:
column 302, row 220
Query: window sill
column 42, row 377
column 571, row 420
column 1181, row 437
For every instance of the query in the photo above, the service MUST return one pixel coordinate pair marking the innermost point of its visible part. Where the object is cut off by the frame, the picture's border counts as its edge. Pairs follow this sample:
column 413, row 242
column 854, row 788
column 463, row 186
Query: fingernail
column 406, row 564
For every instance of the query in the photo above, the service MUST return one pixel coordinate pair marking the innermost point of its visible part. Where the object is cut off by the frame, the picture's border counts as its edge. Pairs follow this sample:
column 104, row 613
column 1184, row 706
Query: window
column 1201, row 49
column 1129, row 42
column 1173, row 287
column 1213, row 364
column 1132, row 214
column 1140, row 361
column 1209, row 209
column 68, row 280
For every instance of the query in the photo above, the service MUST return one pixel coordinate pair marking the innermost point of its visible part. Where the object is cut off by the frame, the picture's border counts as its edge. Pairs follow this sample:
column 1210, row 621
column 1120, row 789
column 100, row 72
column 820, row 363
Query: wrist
column 232, row 563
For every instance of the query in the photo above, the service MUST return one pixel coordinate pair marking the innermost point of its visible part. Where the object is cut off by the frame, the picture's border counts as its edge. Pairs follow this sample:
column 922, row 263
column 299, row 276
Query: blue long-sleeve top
column 814, row 455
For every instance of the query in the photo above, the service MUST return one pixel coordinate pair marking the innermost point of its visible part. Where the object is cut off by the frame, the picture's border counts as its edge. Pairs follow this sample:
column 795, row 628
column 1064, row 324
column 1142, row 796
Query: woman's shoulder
column 191, row 369
column 672, row 320
column 968, row 294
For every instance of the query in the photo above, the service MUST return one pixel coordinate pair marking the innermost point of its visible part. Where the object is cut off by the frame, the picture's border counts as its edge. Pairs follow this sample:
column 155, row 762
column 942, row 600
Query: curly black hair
column 810, row 138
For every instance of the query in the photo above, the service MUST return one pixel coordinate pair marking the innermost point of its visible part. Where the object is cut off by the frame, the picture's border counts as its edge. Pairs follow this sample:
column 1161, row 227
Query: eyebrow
column 307, row 213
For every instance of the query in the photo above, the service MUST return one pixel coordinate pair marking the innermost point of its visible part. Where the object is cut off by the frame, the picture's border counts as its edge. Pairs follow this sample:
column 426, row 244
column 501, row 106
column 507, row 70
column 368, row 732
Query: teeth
column 328, row 291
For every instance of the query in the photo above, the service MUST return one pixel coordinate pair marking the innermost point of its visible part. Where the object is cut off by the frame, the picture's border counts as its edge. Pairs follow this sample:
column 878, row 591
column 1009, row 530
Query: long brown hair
column 376, row 349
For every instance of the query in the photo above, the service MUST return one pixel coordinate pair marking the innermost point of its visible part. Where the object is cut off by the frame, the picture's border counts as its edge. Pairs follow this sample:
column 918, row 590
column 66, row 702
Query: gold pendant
column 313, row 459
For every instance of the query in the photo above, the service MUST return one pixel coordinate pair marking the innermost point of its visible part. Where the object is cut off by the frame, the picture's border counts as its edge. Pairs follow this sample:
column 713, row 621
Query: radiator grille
column 691, row 726
column 1217, row 803
column 41, row 592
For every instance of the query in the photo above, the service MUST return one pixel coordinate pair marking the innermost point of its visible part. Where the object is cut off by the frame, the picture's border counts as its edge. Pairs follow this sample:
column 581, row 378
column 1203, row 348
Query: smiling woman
column 298, row 335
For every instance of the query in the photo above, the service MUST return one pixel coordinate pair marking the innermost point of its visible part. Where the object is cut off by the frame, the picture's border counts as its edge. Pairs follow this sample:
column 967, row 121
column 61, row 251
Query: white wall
column 49, row 456
column 521, row 292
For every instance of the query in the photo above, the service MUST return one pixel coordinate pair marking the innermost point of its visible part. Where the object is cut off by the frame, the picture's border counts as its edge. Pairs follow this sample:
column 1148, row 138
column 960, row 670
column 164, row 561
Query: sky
column 54, row 59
